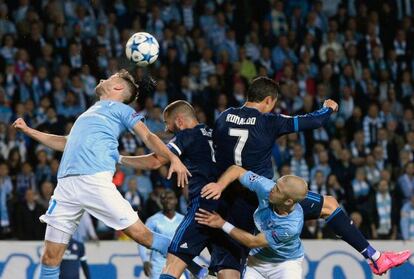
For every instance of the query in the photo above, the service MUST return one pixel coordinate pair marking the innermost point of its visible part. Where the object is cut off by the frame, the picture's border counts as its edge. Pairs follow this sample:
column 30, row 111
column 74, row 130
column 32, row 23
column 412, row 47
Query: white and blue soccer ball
column 142, row 48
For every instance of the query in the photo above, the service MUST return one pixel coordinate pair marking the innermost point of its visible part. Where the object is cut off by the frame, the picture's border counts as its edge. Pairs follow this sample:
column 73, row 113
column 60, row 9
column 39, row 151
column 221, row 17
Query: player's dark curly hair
column 262, row 87
column 145, row 86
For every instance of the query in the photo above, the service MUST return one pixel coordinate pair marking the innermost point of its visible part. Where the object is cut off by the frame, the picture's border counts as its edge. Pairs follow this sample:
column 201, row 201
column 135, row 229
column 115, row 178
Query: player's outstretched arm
column 214, row 190
column 53, row 141
column 155, row 144
column 144, row 162
column 214, row 220
column 293, row 124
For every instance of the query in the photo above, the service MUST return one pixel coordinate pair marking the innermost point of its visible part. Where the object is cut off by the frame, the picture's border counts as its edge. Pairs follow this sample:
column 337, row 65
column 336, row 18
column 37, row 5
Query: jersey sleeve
column 180, row 143
column 260, row 185
column 129, row 117
column 281, row 124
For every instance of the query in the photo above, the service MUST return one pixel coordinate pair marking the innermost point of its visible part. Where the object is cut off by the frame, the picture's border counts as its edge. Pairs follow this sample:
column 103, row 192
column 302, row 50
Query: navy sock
column 167, row 276
column 49, row 272
column 343, row 227
column 160, row 243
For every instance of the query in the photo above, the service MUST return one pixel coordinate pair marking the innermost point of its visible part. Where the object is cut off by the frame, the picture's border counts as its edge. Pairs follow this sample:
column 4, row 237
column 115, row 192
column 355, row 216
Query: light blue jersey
column 161, row 224
column 282, row 232
column 92, row 145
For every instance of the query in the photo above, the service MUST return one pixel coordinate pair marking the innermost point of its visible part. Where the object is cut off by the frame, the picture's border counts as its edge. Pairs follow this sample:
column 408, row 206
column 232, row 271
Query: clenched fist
column 331, row 104
column 20, row 125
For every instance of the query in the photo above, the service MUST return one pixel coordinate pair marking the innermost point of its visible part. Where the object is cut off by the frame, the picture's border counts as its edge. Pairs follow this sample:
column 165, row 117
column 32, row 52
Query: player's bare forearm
column 248, row 239
column 144, row 162
column 153, row 142
column 231, row 174
column 53, row 141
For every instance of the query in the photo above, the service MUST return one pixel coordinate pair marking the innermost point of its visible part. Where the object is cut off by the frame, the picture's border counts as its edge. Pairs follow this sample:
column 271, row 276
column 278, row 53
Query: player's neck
column 190, row 123
column 282, row 210
column 170, row 214
column 254, row 105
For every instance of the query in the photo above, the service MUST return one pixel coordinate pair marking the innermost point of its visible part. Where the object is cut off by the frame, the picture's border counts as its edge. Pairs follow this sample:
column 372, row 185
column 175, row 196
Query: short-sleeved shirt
column 195, row 149
column 161, row 224
column 282, row 232
column 92, row 145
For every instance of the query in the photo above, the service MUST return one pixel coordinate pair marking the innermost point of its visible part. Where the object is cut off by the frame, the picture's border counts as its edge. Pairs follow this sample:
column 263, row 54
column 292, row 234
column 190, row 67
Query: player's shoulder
column 155, row 218
column 179, row 216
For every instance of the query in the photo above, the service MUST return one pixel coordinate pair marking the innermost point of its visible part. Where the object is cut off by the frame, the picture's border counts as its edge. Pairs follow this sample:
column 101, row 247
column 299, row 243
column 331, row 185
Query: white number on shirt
column 213, row 157
column 242, row 135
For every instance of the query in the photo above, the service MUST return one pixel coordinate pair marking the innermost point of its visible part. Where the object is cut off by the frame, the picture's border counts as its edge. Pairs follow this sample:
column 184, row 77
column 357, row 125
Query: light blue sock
column 49, row 272
column 160, row 243
column 166, row 276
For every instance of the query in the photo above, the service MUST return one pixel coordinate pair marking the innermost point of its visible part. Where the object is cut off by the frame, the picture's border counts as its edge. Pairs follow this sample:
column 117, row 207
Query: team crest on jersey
column 135, row 114
column 253, row 177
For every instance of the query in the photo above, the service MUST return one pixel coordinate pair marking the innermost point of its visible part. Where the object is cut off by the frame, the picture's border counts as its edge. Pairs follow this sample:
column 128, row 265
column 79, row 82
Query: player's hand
column 211, row 219
column 20, row 125
column 211, row 191
column 147, row 269
column 182, row 172
column 331, row 104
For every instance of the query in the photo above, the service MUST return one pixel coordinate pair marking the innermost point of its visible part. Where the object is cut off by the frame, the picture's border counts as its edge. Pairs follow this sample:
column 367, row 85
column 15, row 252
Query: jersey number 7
column 242, row 135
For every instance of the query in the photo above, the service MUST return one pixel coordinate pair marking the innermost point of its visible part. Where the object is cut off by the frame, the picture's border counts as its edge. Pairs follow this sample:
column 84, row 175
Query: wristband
column 227, row 227
column 120, row 159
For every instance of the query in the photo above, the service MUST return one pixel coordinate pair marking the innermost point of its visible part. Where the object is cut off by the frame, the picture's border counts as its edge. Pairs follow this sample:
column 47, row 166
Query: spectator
column 383, row 213
column 132, row 195
column 298, row 163
column 406, row 182
column 26, row 179
column 27, row 215
column 46, row 192
column 6, row 188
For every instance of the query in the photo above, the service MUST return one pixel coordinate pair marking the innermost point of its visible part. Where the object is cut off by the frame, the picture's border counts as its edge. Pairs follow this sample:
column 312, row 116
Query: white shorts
column 94, row 193
column 258, row 269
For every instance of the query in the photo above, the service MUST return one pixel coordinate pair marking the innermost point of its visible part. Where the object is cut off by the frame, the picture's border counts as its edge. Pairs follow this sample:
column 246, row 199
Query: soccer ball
column 142, row 48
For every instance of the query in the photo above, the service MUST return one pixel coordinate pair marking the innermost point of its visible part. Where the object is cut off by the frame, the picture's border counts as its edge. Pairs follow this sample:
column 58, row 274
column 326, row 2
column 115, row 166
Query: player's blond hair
column 179, row 106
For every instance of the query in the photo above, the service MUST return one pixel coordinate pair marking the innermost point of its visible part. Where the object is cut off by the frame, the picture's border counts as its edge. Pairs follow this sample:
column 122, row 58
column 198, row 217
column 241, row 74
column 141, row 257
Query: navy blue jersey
column 74, row 254
column 195, row 149
column 244, row 136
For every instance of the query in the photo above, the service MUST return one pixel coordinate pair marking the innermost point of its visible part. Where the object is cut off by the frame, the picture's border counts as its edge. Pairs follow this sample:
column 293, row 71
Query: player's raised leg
column 343, row 227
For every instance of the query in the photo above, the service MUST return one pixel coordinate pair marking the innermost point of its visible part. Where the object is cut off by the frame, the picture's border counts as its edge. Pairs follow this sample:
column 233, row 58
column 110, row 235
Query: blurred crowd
column 359, row 53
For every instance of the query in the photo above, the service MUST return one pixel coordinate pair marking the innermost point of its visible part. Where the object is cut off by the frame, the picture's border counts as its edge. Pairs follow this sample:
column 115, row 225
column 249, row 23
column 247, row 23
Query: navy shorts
column 239, row 205
column 190, row 237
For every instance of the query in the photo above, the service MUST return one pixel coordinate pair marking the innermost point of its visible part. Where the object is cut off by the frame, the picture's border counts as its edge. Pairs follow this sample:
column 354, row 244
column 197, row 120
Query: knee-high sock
column 343, row 226
column 167, row 276
column 49, row 272
column 160, row 243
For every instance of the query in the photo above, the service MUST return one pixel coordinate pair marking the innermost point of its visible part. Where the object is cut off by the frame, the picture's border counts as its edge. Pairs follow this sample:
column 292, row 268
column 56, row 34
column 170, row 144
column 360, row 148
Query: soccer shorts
column 94, row 193
column 190, row 237
column 258, row 269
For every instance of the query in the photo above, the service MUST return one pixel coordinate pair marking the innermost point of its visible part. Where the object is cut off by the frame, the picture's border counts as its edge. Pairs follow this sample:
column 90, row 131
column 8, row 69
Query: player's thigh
column 251, row 273
column 291, row 269
column 312, row 206
column 101, row 199
column 64, row 210
column 174, row 266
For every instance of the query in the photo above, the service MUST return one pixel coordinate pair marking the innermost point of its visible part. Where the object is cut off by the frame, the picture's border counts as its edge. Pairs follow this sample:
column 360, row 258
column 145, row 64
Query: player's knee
column 51, row 258
column 330, row 204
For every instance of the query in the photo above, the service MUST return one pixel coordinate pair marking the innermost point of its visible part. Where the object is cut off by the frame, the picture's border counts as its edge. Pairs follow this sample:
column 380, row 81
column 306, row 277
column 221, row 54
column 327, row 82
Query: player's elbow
column 253, row 243
column 155, row 164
